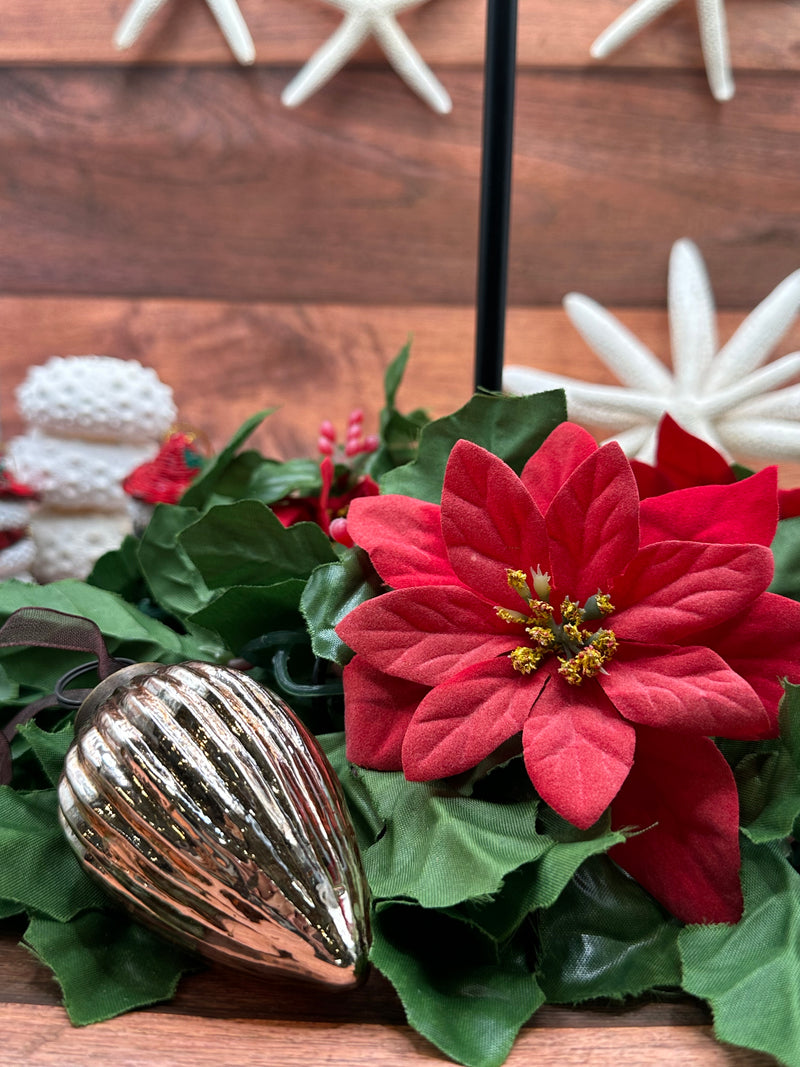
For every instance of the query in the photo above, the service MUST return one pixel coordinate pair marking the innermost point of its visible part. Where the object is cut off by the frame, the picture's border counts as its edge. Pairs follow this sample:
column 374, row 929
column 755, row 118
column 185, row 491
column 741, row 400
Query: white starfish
column 226, row 12
column 723, row 395
column 362, row 19
column 713, row 38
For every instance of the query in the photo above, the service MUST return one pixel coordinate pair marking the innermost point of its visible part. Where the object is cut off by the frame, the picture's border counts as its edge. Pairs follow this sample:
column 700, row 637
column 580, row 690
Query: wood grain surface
column 227, row 360
column 370, row 198
column 224, row 1019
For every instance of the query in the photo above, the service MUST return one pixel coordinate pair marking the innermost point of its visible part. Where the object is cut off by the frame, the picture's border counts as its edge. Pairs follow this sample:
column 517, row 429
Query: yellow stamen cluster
column 590, row 660
column 585, row 653
column 525, row 659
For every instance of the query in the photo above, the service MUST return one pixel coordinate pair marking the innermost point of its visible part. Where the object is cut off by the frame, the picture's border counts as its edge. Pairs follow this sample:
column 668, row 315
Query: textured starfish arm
column 784, row 404
column 134, row 21
column 632, row 362
column 692, row 317
column 628, row 25
column 716, row 50
column 773, row 438
column 234, row 29
column 603, row 405
column 774, row 375
column 410, row 65
column 758, row 334
column 326, row 61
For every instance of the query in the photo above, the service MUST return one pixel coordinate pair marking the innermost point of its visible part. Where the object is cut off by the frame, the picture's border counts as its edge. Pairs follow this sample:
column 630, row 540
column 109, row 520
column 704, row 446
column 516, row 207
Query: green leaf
column 245, row 612
column 459, row 989
column 203, row 487
column 606, row 937
column 393, row 377
column 119, row 571
column 106, row 964
column 172, row 578
column 441, row 850
column 245, row 544
column 252, row 477
column 786, row 550
column 769, row 782
column 332, row 591
column 538, row 884
column 49, row 747
column 512, row 427
column 38, row 869
column 749, row 972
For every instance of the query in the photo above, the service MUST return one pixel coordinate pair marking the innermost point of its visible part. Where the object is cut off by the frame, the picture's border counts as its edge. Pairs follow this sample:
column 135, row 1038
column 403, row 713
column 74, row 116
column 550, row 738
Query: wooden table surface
column 223, row 1019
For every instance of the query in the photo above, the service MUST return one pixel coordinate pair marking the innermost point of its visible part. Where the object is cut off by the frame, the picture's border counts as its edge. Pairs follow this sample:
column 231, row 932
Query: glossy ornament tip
column 201, row 802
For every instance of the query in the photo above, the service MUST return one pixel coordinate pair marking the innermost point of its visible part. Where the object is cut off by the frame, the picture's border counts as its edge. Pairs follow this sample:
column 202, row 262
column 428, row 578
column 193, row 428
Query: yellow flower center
column 581, row 651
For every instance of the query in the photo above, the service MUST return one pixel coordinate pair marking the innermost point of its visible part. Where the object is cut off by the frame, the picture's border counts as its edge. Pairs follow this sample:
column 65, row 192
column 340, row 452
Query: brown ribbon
column 46, row 628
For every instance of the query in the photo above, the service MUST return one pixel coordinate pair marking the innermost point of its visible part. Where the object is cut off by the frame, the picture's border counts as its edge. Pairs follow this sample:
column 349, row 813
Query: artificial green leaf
column 245, row 612
column 786, row 550
column 606, row 937
column 769, row 781
column 749, row 972
column 106, row 964
column 172, row 578
column 552, row 873
column 119, row 571
column 38, row 869
column 393, row 377
column 245, row 544
column 332, row 591
column 49, row 746
column 441, row 849
column 459, row 989
column 205, row 484
column 512, row 427
column 252, row 477
column 9, row 908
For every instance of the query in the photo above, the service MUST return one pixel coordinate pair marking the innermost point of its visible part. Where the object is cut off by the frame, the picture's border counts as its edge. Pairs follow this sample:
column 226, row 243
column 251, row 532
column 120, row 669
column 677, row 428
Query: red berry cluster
column 355, row 442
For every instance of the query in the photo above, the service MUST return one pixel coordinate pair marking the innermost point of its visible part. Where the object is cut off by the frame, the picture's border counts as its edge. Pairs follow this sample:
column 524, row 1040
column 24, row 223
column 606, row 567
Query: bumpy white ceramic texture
column 203, row 805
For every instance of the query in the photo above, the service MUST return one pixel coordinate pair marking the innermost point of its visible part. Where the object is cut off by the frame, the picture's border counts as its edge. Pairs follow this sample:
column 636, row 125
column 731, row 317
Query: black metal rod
column 495, row 210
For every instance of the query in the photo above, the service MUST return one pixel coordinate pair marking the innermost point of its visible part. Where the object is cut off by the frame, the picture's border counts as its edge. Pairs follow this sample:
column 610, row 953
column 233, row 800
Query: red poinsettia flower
column 683, row 460
column 616, row 637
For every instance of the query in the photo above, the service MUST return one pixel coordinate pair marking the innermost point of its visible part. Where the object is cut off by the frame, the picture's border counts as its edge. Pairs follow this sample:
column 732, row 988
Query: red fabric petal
column 686, row 460
column 578, row 751
column 650, row 481
column 404, row 539
column 682, row 794
column 676, row 588
column 462, row 721
column 687, row 690
column 377, row 711
column 745, row 512
column 560, row 454
column 489, row 523
column 428, row 634
column 761, row 644
column 593, row 523
column 789, row 503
